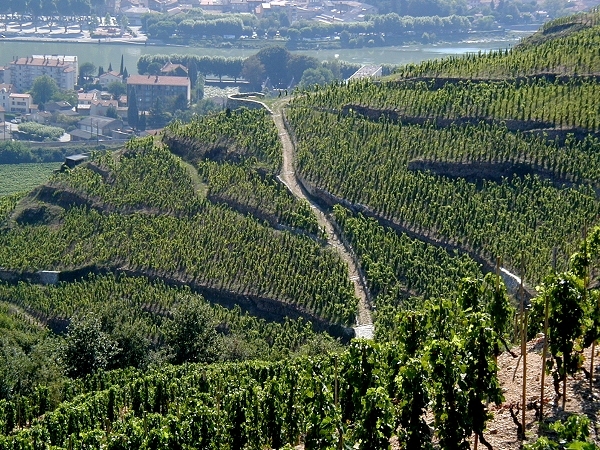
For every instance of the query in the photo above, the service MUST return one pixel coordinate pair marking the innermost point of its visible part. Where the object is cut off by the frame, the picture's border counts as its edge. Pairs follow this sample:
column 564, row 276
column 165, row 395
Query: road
column 364, row 321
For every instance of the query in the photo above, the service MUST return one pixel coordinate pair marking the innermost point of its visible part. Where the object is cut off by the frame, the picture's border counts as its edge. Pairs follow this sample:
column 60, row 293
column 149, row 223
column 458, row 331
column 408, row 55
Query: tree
column 125, row 74
column 121, row 68
column 111, row 111
column 63, row 7
column 275, row 59
column 85, row 71
column 154, row 68
column 344, row 38
column 180, row 103
column 43, row 89
column 320, row 76
column 132, row 109
column 297, row 64
column 193, row 72
column 117, row 88
column 253, row 71
column 191, row 334
column 87, row 348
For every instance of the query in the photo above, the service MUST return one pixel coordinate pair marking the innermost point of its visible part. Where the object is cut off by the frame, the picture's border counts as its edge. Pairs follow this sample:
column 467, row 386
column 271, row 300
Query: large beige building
column 23, row 71
column 149, row 88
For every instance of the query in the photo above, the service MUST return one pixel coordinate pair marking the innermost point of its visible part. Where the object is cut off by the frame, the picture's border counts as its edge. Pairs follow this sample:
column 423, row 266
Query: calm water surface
column 103, row 54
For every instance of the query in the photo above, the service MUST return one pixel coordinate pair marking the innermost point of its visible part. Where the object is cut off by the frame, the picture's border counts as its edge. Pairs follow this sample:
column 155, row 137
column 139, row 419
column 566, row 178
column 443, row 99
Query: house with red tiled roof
column 109, row 77
column 99, row 107
column 174, row 70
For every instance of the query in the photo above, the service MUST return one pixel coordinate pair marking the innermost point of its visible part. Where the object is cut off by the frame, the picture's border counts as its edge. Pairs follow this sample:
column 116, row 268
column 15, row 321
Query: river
column 103, row 54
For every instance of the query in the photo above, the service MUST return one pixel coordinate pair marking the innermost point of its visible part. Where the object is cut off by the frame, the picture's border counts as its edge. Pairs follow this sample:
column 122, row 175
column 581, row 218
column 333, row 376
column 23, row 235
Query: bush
column 14, row 152
column 38, row 132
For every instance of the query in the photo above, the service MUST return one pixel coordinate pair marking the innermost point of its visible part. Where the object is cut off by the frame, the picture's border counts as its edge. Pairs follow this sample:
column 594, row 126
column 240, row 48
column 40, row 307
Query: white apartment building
column 23, row 71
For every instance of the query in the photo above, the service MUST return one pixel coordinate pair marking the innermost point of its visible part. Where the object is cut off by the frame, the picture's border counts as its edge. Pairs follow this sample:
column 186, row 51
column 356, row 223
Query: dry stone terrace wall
column 263, row 307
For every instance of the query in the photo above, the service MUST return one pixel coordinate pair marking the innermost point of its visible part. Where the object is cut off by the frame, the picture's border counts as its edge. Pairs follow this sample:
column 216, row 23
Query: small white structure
column 369, row 71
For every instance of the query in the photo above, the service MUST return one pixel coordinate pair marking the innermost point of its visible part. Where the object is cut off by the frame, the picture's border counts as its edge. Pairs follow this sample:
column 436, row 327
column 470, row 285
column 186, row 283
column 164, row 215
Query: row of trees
column 51, row 7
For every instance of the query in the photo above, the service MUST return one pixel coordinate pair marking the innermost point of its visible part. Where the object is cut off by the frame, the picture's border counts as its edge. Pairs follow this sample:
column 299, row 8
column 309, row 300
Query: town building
column 20, row 103
column 22, row 72
column 109, row 77
column 5, row 90
column 100, row 107
column 149, row 88
column 96, row 127
column 174, row 70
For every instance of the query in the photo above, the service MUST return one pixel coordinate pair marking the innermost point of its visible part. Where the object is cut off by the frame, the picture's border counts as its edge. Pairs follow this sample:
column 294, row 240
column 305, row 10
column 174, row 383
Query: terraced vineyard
column 188, row 248
column 15, row 178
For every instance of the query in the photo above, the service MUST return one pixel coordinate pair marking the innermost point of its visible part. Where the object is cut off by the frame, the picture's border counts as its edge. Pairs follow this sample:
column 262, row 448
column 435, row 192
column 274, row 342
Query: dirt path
column 364, row 325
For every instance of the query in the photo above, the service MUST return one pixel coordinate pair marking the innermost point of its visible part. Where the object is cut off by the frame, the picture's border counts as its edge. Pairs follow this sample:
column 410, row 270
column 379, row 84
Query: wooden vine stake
column 523, row 350
column 498, row 264
column 586, row 282
column 546, row 340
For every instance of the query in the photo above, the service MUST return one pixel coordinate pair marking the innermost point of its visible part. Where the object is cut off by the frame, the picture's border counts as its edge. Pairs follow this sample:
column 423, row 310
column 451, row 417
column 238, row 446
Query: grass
column 24, row 177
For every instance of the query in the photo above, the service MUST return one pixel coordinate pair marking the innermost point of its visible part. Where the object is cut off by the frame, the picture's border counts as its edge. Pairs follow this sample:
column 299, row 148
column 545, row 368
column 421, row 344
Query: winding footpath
column 364, row 321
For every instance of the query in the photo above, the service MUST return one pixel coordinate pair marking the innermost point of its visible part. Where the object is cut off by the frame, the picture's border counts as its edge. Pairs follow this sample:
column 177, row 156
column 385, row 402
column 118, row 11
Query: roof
column 111, row 73
column 137, row 10
column 86, row 96
column 79, row 157
column 41, row 60
column 366, row 72
column 158, row 80
column 81, row 134
column 59, row 104
column 170, row 67
column 105, row 103
column 99, row 121
column 15, row 95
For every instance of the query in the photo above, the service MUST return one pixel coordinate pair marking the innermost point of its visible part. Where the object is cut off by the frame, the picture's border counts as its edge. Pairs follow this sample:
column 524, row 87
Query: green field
column 24, row 177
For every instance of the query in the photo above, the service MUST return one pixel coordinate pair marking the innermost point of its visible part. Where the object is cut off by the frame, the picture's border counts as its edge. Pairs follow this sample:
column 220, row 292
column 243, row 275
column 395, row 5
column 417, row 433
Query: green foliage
column 43, row 89
column 567, row 311
column 369, row 165
column 566, row 53
column 573, row 434
column 320, row 76
column 87, row 348
column 38, row 132
column 191, row 334
column 143, row 174
column 15, row 178
column 12, row 152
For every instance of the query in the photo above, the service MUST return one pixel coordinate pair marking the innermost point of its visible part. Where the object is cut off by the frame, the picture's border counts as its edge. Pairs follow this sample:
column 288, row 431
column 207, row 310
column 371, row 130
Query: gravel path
column 364, row 320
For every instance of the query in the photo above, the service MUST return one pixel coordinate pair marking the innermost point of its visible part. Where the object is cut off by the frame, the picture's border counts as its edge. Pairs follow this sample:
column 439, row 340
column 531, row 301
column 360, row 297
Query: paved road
column 364, row 327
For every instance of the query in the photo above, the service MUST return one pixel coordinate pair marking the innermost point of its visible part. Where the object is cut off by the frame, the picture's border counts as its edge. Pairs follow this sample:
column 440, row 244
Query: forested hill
column 201, row 305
